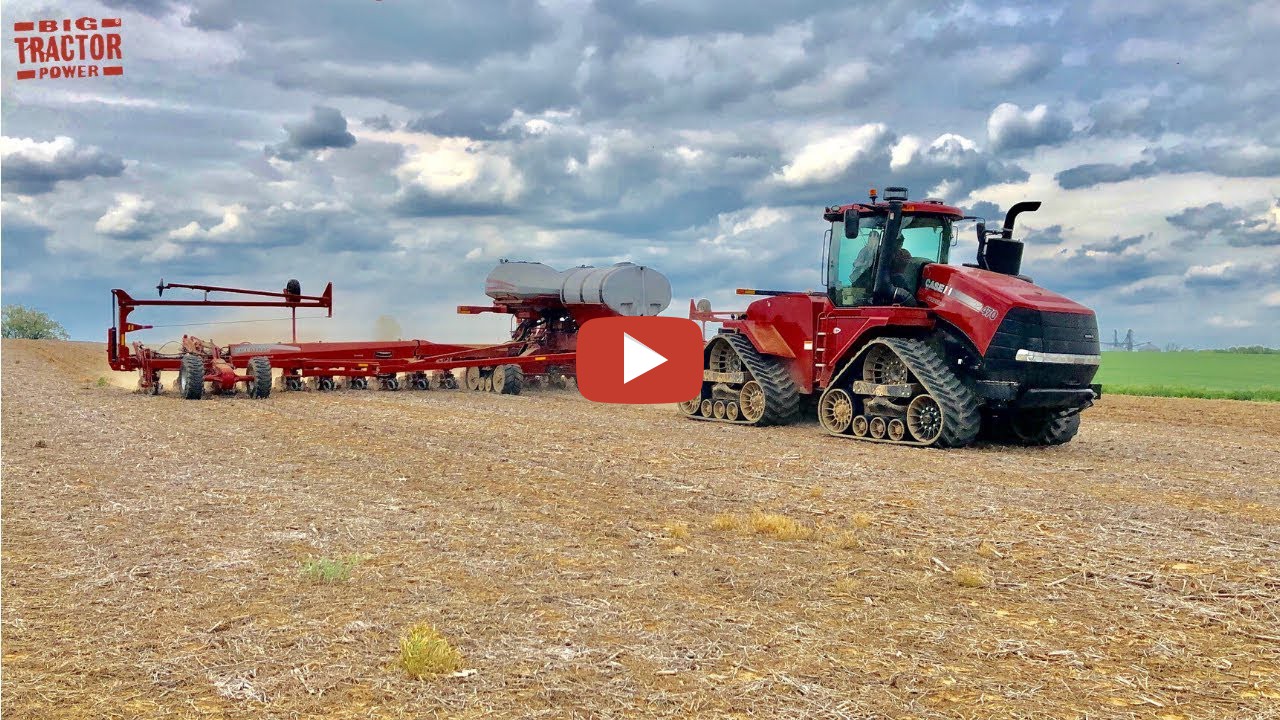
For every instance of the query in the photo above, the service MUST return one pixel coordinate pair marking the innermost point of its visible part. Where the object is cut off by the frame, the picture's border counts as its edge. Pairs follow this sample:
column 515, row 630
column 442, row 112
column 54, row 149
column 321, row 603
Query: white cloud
column 1210, row 272
column 45, row 152
column 231, row 222
column 824, row 159
column 1223, row 321
column 457, row 168
column 125, row 217
column 903, row 151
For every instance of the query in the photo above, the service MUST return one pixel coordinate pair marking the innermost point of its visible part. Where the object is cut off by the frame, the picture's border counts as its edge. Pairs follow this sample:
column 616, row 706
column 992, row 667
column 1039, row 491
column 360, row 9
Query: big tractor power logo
column 82, row 48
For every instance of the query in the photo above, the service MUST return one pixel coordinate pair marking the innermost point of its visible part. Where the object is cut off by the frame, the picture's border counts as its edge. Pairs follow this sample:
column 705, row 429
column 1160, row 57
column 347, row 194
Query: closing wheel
column 878, row 427
column 924, row 419
column 391, row 383
column 705, row 408
column 860, row 426
column 421, row 383
column 448, row 381
column 835, row 411
column 191, row 377
column 325, row 384
column 897, row 430
column 293, row 383
column 731, row 410
column 690, row 407
column 751, row 401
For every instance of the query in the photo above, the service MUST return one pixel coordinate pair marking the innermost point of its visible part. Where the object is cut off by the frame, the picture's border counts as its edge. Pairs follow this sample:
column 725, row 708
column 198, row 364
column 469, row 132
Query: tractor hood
column 977, row 301
column 994, row 290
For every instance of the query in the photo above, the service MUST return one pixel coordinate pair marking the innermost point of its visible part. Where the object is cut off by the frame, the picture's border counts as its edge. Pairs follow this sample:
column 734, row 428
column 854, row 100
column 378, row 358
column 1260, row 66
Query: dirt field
column 592, row 561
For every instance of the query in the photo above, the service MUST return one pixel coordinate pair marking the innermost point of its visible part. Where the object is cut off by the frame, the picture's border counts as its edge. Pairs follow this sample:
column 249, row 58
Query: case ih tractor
column 902, row 347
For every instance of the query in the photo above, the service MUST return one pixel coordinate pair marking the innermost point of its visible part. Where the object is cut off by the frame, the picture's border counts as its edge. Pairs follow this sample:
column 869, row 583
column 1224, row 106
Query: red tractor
column 903, row 348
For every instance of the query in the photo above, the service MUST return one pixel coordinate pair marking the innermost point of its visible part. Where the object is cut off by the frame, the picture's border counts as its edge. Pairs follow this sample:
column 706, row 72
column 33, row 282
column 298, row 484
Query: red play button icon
column 639, row 360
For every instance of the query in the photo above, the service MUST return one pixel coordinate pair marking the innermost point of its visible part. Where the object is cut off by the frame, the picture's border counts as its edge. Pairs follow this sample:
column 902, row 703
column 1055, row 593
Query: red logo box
column 639, row 360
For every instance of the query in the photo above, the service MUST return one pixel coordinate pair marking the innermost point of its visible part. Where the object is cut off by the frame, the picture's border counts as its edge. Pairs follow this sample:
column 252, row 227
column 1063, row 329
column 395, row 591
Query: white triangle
column 637, row 359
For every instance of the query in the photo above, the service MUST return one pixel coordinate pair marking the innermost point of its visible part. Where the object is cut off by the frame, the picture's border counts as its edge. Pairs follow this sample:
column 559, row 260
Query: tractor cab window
column 851, row 270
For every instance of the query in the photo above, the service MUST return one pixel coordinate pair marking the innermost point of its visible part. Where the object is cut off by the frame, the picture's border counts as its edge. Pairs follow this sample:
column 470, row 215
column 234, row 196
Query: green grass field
column 1203, row 374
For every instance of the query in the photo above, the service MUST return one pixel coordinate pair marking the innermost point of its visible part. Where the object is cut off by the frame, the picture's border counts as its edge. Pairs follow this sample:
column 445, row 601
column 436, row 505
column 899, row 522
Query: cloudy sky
column 400, row 151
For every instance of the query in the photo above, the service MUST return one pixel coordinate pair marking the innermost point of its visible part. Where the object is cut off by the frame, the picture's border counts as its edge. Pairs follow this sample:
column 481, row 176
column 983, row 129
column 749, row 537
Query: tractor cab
column 877, row 250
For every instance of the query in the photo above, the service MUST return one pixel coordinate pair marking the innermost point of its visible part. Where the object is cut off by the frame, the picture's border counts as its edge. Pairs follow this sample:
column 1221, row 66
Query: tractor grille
column 1048, row 332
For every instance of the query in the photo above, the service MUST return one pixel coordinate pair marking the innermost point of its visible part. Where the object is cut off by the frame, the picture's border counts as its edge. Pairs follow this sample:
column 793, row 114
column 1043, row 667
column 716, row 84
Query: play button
column 637, row 358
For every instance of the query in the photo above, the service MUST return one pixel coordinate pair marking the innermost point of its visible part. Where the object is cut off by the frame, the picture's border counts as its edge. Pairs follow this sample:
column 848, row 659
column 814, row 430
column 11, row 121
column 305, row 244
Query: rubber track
column 960, row 417
column 1057, row 429
column 781, row 396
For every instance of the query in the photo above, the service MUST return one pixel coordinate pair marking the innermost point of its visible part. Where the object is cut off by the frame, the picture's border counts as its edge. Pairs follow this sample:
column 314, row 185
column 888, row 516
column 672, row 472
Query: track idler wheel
column 835, row 411
column 924, row 419
column 751, row 401
column 691, row 407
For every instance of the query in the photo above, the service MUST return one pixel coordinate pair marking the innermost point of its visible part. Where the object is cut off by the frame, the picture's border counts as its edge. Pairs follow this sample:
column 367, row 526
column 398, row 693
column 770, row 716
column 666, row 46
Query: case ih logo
column 79, row 47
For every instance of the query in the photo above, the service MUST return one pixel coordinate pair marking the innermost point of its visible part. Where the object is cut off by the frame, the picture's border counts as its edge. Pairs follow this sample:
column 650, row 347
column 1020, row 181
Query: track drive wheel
column 191, row 377
column 508, row 379
column 260, row 385
column 1044, row 428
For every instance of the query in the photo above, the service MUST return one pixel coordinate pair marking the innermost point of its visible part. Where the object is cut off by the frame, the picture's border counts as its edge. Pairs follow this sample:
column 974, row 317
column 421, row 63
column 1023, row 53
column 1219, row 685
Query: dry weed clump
column 727, row 522
column 988, row 551
column 848, row 540
column 677, row 530
column 971, row 577
column 846, row 587
column 779, row 526
column 424, row 651
column 861, row 520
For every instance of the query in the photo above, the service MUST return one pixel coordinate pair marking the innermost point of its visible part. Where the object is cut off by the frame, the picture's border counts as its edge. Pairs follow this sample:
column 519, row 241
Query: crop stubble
column 153, row 551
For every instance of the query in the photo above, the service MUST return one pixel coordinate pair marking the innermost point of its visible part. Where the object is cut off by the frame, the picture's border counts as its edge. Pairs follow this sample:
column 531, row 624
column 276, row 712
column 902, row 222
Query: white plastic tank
column 624, row 288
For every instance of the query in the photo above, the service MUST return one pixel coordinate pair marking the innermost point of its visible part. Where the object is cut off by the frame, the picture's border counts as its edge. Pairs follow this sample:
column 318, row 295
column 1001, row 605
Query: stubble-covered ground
column 598, row 561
